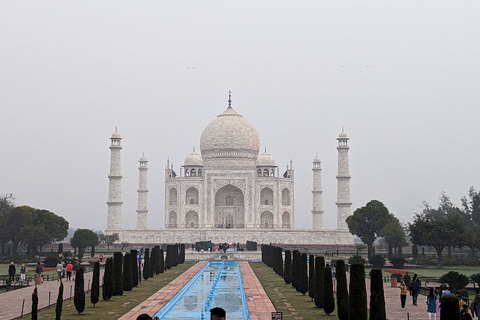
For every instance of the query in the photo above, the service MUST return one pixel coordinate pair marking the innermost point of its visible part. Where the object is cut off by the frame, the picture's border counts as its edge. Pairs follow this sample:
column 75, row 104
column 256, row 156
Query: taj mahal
column 230, row 193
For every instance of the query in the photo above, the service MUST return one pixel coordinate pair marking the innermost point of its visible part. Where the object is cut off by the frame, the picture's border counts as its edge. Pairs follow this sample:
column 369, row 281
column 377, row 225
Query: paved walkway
column 11, row 302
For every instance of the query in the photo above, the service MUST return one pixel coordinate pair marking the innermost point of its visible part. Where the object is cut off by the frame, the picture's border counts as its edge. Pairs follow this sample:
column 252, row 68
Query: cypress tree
column 303, row 274
column 328, row 300
column 168, row 260
column 175, row 255
column 311, row 276
column 60, row 248
column 79, row 295
column 182, row 253
column 271, row 256
column 162, row 261
column 319, row 278
column 287, row 275
column 153, row 259
column 95, row 294
column 295, row 270
column 35, row 304
column 449, row 309
column 58, row 307
column 357, row 299
column 377, row 298
column 134, row 268
column 117, row 274
column 342, row 292
column 108, row 282
column 146, row 264
column 127, row 272
column 157, row 260
column 92, row 251
column 280, row 262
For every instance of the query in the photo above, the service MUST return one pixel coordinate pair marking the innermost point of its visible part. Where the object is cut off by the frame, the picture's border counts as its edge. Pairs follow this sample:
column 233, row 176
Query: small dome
column 265, row 159
column 143, row 159
column 193, row 159
column 116, row 135
column 316, row 159
column 343, row 135
column 229, row 136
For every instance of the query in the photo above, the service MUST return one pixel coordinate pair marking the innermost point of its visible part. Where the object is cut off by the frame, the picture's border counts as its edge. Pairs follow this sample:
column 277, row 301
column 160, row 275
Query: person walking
column 11, row 272
column 476, row 304
column 403, row 294
column 407, row 279
column 414, row 287
column 23, row 272
column 59, row 270
column 431, row 301
column 464, row 315
column 39, row 271
column 69, row 269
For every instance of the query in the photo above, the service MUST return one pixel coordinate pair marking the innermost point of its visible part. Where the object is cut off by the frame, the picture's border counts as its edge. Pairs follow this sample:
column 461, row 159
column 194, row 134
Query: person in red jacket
column 69, row 269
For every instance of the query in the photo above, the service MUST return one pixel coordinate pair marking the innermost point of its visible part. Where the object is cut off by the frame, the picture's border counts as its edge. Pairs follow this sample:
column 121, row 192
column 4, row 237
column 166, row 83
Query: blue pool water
column 217, row 284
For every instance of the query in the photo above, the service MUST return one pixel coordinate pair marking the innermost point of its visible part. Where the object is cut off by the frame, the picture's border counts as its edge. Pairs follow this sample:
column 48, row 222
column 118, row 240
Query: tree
column 109, row 239
column 296, row 270
column 12, row 222
column 328, row 300
column 449, row 309
column 377, row 297
column 146, row 264
column 438, row 228
column 162, row 261
column 153, row 261
column 319, row 281
column 357, row 299
column 59, row 306
column 35, row 304
column 394, row 234
column 95, row 294
column 342, row 291
column 127, row 272
column 108, row 282
column 456, row 281
column 117, row 274
column 471, row 205
column 133, row 253
column 82, row 239
column 311, row 276
column 303, row 274
column 79, row 295
column 367, row 222
column 287, row 275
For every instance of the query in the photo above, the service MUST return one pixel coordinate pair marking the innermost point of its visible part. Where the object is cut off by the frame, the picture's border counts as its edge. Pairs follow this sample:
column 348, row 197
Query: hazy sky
column 402, row 78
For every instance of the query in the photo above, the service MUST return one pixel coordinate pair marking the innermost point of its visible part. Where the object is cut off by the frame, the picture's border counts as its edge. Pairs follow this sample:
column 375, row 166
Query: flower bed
column 396, row 271
column 44, row 269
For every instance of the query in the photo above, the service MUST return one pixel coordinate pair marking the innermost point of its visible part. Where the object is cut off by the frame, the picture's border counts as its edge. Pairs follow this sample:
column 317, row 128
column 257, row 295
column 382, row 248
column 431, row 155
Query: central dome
column 229, row 136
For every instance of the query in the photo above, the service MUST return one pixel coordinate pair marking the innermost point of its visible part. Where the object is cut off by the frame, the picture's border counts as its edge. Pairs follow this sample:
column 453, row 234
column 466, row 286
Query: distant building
column 230, row 193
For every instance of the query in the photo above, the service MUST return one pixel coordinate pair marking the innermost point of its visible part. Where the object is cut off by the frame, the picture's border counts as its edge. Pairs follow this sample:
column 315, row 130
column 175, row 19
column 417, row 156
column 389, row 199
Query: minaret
column 343, row 182
column 317, row 192
column 115, row 186
column 142, row 208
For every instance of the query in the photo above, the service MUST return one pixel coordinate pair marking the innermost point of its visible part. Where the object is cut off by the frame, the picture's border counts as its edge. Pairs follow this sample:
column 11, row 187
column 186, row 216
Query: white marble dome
column 116, row 135
column 193, row 159
column 229, row 136
column 265, row 160
column 342, row 135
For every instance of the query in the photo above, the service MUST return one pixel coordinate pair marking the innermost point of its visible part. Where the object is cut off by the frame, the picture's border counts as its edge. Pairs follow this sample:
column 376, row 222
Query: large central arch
column 229, row 208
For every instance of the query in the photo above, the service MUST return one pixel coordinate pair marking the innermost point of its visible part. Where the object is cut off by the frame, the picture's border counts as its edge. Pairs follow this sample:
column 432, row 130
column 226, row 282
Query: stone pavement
column 11, row 302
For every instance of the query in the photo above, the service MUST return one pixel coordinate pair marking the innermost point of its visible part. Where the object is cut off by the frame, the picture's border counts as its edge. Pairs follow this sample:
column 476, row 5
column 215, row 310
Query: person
column 11, row 271
column 445, row 291
column 414, row 287
column 23, row 272
column 334, row 276
column 39, row 271
column 476, row 304
column 144, row 316
column 59, row 270
column 403, row 294
column 218, row 314
column 464, row 315
column 431, row 301
column 407, row 280
column 100, row 256
column 69, row 269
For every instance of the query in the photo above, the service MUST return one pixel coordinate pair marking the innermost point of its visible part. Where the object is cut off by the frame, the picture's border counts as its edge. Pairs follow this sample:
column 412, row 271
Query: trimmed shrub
column 60, row 248
column 342, row 291
column 319, row 281
column 35, row 304
column 175, row 255
column 117, row 274
column 357, row 299
column 449, row 309
column 398, row 262
column 378, row 261
column 95, row 294
column 296, row 269
column 251, row 246
column 182, row 253
column 50, row 262
column 476, row 278
column 455, row 280
column 146, row 264
column 162, row 261
column 127, row 272
column 79, row 295
column 287, row 275
column 153, row 260
column 59, row 305
column 107, row 287
column 311, row 276
column 328, row 300
column 303, row 274
column 92, row 252
column 134, row 268
column 414, row 252
column 377, row 297
column 168, row 258
column 356, row 259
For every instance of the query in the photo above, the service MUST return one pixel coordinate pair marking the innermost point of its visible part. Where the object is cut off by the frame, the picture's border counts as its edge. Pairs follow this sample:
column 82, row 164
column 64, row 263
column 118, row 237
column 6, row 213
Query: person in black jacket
column 414, row 287
column 11, row 271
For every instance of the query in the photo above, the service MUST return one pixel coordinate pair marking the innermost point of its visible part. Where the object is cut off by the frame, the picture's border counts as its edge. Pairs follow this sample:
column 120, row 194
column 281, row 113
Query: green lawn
column 286, row 299
column 118, row 305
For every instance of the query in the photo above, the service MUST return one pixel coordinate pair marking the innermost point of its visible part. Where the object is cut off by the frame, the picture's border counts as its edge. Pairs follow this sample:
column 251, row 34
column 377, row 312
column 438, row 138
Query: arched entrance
column 229, row 208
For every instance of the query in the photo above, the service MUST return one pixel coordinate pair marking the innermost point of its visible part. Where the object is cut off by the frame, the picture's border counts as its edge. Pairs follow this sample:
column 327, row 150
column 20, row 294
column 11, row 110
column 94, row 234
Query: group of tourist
column 12, row 270
column 433, row 298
